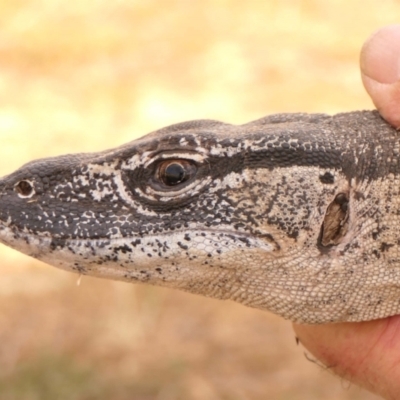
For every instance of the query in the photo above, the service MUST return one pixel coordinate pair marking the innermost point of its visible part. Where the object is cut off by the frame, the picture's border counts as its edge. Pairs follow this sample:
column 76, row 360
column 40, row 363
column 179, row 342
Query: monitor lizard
column 294, row 213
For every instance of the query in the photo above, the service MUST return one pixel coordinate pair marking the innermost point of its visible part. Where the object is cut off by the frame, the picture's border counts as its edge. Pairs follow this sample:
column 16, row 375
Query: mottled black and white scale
column 297, row 214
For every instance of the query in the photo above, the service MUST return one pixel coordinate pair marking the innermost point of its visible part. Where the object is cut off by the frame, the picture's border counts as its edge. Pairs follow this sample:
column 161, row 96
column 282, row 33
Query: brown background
column 89, row 75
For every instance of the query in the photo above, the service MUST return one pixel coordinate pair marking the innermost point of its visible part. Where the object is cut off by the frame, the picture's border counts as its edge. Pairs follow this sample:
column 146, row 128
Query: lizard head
column 225, row 211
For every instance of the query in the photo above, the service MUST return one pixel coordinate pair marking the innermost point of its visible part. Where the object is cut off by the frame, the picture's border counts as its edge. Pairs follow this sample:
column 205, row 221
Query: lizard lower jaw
column 86, row 255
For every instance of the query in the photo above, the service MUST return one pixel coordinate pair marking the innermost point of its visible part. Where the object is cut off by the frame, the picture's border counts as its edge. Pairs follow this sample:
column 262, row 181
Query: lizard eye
column 24, row 188
column 174, row 172
column 168, row 177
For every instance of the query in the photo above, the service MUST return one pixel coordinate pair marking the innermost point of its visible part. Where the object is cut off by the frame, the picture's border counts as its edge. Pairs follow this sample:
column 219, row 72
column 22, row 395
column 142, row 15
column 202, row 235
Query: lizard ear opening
column 335, row 224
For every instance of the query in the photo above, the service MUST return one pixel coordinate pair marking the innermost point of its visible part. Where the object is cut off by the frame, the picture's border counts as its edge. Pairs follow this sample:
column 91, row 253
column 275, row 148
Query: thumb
column 380, row 71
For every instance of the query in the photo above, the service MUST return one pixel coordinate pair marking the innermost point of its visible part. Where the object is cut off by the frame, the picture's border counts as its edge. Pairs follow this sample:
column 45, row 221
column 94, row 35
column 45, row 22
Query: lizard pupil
column 173, row 174
column 176, row 171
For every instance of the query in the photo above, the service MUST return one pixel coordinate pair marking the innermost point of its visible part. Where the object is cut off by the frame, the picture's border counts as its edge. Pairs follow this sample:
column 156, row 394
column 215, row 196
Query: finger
column 365, row 353
column 380, row 71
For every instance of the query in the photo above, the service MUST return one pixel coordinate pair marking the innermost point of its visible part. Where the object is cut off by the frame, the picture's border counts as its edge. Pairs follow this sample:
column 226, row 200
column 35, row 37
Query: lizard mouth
column 211, row 243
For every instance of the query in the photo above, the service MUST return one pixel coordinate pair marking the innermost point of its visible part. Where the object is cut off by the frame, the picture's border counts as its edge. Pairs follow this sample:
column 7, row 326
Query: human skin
column 367, row 353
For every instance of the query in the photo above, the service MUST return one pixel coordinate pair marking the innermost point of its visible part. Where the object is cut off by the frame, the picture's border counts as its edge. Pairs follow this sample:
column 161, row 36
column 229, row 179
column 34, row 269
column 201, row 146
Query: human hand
column 367, row 353
column 380, row 71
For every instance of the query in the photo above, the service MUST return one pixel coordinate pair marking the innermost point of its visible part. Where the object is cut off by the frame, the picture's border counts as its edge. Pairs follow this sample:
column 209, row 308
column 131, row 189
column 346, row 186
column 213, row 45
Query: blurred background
column 89, row 75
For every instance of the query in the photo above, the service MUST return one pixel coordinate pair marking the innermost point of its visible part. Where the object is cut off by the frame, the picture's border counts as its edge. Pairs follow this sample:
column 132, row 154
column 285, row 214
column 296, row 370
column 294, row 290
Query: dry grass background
column 90, row 74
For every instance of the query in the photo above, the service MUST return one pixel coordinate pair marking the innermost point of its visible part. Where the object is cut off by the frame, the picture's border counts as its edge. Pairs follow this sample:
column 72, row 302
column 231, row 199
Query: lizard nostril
column 24, row 188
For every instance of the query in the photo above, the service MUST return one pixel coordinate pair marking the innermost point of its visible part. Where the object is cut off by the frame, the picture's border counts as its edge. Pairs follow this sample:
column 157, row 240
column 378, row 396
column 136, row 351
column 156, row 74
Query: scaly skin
column 297, row 214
